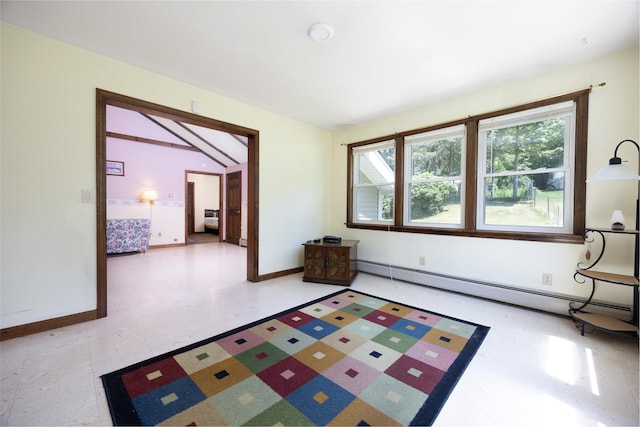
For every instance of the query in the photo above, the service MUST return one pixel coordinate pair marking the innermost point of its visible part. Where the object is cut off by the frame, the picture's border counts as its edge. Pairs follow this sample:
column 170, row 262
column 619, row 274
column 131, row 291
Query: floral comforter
column 128, row 235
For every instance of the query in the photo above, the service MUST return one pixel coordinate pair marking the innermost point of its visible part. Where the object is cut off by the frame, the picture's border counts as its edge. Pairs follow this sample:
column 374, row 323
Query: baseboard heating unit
column 525, row 297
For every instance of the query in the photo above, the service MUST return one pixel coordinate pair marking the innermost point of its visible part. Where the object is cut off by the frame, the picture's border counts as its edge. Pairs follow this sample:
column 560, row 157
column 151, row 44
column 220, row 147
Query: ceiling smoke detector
column 320, row 32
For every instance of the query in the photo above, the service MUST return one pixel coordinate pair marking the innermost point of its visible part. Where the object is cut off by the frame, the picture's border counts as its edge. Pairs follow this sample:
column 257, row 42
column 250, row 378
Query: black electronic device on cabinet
column 331, row 239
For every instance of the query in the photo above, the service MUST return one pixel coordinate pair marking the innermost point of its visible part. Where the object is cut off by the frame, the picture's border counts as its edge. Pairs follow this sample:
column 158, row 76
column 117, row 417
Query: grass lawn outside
column 544, row 211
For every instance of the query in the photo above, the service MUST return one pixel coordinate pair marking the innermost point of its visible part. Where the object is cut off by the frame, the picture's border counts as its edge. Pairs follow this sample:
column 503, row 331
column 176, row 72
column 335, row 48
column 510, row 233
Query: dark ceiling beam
column 151, row 141
column 197, row 135
column 182, row 139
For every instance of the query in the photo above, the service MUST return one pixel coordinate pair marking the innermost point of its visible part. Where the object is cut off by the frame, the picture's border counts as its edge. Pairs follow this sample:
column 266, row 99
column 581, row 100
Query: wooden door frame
column 104, row 98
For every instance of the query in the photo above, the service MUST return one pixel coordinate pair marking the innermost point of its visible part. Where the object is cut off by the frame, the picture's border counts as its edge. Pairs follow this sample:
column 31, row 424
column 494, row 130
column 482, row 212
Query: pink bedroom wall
column 125, row 121
column 147, row 166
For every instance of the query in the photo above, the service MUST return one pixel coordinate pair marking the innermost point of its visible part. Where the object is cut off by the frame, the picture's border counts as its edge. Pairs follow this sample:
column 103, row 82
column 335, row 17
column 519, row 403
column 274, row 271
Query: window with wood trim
column 516, row 173
column 434, row 178
column 374, row 182
column 525, row 170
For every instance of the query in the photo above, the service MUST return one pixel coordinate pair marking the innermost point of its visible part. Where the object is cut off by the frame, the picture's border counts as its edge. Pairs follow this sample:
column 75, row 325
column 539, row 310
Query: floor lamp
column 616, row 171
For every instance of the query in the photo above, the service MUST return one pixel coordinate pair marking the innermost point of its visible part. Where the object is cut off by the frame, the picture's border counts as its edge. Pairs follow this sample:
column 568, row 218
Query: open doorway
column 203, row 207
column 105, row 98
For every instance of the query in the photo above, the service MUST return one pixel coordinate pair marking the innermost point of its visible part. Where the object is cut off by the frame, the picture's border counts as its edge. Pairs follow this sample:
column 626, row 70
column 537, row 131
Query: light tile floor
column 533, row 369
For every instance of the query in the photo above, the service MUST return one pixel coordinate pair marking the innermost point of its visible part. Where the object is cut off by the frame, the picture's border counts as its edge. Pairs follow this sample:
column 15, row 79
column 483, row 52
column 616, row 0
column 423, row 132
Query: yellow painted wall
column 48, row 240
column 613, row 116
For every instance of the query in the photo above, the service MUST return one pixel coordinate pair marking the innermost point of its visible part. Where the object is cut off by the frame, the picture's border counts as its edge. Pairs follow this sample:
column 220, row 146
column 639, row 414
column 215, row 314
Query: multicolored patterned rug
column 345, row 359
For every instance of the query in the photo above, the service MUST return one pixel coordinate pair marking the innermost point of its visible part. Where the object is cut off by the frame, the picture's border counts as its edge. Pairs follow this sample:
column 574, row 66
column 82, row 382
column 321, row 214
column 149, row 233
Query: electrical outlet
column 547, row 279
column 421, row 260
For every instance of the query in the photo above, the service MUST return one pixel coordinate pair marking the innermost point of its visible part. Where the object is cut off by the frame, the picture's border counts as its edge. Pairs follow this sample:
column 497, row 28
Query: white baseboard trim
column 530, row 298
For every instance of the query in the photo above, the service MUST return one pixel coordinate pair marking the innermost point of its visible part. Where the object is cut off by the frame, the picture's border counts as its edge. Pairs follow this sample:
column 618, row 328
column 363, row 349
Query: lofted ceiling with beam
column 223, row 148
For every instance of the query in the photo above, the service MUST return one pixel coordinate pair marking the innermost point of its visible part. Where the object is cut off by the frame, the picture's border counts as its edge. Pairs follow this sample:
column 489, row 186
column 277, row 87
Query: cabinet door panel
column 337, row 271
column 314, row 253
column 338, row 254
column 314, row 270
column 337, row 263
column 314, row 263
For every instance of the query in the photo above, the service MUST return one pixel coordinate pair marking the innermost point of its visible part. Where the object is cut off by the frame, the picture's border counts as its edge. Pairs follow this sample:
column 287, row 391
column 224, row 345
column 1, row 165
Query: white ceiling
column 385, row 57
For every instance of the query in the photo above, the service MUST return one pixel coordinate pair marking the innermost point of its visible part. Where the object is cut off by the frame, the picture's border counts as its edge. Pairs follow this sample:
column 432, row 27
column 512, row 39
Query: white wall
column 48, row 239
column 613, row 116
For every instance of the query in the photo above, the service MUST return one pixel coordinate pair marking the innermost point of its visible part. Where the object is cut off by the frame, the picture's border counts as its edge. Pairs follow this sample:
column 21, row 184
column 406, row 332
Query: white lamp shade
column 149, row 196
column 614, row 173
column 617, row 217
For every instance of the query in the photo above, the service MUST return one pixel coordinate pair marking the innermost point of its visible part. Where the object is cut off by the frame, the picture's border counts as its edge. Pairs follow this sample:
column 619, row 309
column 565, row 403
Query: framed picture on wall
column 115, row 168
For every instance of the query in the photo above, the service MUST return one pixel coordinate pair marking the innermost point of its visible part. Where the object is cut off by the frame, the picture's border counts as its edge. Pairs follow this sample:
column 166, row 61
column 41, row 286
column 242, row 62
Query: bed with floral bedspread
column 128, row 235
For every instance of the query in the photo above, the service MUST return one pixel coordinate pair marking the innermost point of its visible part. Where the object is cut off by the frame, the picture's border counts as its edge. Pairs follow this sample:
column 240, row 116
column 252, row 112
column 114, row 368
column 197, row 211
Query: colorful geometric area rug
column 346, row 359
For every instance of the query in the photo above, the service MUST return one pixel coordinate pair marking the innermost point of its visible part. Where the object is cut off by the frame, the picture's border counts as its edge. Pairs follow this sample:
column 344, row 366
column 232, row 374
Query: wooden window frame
column 355, row 185
column 581, row 99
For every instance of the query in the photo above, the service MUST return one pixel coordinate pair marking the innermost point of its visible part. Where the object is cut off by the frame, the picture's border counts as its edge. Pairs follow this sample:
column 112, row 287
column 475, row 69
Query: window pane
column 436, row 158
column 435, row 202
column 526, row 147
column 374, row 182
column 377, row 166
column 535, row 200
column 387, row 203
column 434, row 168
column 374, row 203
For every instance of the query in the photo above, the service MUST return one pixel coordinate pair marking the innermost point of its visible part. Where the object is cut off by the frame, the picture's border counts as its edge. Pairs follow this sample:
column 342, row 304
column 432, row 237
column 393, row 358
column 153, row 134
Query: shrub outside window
column 525, row 179
column 374, row 182
column 434, row 181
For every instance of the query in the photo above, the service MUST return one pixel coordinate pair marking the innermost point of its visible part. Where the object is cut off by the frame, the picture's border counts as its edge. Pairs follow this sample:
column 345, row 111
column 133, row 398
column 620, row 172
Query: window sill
column 506, row 235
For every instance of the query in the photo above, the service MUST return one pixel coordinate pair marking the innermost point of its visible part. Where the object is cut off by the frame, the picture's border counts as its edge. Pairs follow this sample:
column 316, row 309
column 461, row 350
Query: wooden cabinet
column 332, row 263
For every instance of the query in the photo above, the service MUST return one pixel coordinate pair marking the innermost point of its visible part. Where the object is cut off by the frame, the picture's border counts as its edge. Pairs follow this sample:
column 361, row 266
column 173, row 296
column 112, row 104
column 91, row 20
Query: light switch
column 87, row 196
